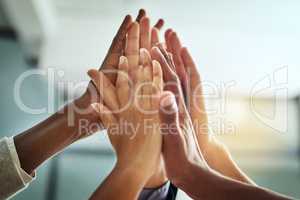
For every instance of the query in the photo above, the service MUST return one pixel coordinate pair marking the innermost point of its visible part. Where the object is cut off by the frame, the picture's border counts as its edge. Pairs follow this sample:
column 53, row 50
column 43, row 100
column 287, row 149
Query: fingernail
column 155, row 48
column 156, row 67
column 89, row 72
column 154, row 62
column 95, row 106
column 169, row 100
column 122, row 60
column 143, row 51
column 143, row 55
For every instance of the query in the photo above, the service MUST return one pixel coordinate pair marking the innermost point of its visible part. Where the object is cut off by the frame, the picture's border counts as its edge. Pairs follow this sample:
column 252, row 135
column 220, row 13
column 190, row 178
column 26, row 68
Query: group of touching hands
column 147, row 94
column 151, row 103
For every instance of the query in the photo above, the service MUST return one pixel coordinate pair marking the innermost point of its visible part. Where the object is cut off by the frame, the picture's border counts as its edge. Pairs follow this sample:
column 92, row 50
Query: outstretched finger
column 116, row 48
column 145, row 58
column 105, row 115
column 170, row 127
column 147, row 87
column 168, row 73
column 132, row 45
column 154, row 36
column 196, row 102
column 175, row 48
column 171, row 81
column 167, row 39
column 158, row 83
column 190, row 67
column 145, row 34
column 105, row 88
column 123, row 82
column 138, row 86
column 141, row 14
column 157, row 77
column 159, row 24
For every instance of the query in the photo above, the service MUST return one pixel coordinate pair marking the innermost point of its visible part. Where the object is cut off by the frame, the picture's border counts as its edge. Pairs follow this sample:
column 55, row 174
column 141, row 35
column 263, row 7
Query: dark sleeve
column 166, row 192
column 163, row 192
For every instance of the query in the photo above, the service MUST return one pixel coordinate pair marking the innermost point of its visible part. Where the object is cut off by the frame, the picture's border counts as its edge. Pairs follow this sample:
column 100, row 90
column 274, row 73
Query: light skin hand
column 198, row 180
column 132, row 41
column 140, row 147
column 193, row 177
column 159, row 177
column 117, row 49
column 214, row 152
column 140, row 37
column 183, row 126
column 179, row 144
column 126, row 182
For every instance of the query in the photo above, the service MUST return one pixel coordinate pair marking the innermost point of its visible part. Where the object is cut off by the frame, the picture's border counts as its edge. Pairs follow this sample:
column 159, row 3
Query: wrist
column 158, row 178
column 185, row 178
column 191, row 174
column 81, row 116
column 196, row 177
column 114, row 183
column 128, row 157
column 135, row 173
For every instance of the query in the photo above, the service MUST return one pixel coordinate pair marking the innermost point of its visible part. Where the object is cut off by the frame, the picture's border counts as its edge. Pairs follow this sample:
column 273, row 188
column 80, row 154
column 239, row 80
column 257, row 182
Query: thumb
column 173, row 148
column 168, row 111
column 169, row 121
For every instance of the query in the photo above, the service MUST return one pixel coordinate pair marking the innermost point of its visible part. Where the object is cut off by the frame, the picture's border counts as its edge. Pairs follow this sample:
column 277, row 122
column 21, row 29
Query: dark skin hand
column 39, row 143
column 36, row 145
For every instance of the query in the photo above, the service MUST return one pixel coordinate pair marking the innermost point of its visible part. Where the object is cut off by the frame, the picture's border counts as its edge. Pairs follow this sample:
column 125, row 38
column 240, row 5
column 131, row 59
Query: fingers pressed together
column 151, row 82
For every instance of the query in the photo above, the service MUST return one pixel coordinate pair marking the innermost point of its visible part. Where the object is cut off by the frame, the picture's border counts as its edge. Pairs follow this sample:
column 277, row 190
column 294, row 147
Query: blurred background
column 247, row 53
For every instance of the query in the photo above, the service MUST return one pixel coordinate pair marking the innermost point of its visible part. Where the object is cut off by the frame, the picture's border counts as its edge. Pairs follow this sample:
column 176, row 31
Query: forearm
column 220, row 159
column 207, row 184
column 158, row 178
column 42, row 141
column 121, row 183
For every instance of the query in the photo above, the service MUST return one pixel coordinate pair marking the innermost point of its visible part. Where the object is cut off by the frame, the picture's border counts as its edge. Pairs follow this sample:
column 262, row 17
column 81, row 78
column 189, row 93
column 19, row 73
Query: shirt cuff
column 25, row 177
column 159, row 193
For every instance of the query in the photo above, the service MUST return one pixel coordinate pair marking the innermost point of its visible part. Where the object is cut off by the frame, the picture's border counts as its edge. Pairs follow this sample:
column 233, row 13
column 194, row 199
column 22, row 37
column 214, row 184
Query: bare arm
column 42, row 141
column 121, row 184
column 193, row 176
column 215, row 153
column 139, row 147
column 215, row 186
column 37, row 144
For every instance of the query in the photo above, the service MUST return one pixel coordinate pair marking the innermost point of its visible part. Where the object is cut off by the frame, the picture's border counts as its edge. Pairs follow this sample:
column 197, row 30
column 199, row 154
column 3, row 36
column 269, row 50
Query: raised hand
column 214, row 152
column 180, row 145
column 140, row 37
column 129, row 112
column 180, row 120
column 126, row 42
column 192, row 175
column 119, row 42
